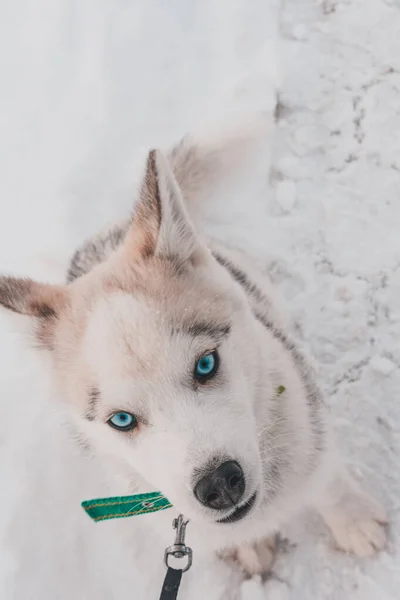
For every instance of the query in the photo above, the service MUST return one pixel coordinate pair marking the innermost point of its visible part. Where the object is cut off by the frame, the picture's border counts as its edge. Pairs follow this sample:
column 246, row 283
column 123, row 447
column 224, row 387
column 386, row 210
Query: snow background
column 86, row 88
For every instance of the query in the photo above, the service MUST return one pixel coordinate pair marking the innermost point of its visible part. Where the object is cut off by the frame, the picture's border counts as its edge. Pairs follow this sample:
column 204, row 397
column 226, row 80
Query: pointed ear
column 160, row 224
column 39, row 300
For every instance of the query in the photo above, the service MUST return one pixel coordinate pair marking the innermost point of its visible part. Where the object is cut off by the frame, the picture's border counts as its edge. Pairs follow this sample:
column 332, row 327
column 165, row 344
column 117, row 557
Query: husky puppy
column 171, row 353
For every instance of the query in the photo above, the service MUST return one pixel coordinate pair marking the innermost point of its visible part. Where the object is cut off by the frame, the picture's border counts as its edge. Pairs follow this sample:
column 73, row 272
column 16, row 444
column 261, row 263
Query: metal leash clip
column 179, row 549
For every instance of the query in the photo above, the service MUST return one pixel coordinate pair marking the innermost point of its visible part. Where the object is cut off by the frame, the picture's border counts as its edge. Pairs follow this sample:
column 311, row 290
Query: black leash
column 179, row 550
column 171, row 584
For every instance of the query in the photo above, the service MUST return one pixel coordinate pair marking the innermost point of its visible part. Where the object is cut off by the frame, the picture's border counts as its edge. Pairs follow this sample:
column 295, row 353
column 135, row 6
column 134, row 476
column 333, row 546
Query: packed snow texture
column 87, row 88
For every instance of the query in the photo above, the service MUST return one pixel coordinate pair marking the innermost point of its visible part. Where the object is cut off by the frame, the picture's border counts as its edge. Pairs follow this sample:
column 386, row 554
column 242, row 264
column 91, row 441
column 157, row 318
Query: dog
column 172, row 354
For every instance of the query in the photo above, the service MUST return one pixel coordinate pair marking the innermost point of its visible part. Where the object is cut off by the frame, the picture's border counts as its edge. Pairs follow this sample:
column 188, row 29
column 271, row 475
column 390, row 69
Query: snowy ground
column 86, row 87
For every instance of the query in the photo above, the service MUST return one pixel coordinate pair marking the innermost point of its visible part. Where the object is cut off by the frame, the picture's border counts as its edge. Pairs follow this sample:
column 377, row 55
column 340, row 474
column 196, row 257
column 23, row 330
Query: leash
column 119, row 507
column 179, row 550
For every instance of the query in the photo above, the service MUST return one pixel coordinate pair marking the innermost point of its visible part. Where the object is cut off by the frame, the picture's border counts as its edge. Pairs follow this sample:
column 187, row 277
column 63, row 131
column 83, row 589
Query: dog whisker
column 272, row 425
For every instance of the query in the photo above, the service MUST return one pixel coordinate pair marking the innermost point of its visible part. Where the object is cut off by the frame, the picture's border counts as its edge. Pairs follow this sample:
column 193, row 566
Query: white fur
column 237, row 419
column 131, row 348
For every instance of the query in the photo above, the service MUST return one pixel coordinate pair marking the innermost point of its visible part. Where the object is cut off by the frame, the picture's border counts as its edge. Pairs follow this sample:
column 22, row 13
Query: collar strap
column 119, row 507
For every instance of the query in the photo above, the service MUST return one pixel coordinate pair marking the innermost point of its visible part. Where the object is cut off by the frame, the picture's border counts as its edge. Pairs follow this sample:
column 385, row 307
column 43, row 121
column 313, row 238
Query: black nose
column 222, row 488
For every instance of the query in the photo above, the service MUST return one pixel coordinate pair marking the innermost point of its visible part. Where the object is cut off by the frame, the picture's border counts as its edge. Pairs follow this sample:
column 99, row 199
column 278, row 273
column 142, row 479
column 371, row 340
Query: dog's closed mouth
column 240, row 511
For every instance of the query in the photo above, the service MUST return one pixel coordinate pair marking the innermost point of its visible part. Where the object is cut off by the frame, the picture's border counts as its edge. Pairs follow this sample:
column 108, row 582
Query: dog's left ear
column 160, row 224
column 40, row 301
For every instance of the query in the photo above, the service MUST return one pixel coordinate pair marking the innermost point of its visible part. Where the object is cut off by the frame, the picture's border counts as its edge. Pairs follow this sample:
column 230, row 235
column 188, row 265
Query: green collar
column 101, row 509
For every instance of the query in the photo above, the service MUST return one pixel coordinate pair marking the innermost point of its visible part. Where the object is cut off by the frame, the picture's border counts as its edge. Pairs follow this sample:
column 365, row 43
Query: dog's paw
column 357, row 524
column 255, row 558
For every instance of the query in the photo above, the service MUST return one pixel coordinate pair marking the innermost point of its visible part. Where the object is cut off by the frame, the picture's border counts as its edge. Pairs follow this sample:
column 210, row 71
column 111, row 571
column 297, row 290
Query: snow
column 285, row 194
column 87, row 87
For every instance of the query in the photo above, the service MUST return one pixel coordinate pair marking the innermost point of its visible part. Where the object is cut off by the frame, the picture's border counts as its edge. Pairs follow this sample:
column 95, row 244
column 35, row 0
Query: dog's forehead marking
column 120, row 330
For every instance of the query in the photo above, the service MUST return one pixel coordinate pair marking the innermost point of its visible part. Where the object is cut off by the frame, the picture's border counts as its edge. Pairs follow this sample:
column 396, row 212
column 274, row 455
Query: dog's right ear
column 160, row 224
column 41, row 301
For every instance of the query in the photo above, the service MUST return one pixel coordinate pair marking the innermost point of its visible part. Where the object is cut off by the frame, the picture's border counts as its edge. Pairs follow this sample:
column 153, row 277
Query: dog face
column 173, row 361
column 156, row 350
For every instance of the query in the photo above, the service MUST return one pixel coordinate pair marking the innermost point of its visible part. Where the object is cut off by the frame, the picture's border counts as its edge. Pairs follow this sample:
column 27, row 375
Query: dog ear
column 160, row 224
column 41, row 301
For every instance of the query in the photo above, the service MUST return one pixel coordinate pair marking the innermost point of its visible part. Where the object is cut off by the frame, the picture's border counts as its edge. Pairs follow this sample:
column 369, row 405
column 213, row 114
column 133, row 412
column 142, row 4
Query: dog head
column 156, row 351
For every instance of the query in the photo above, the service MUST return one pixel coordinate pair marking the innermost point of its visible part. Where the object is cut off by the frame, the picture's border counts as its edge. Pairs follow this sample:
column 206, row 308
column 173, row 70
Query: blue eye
column 123, row 421
column 206, row 367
